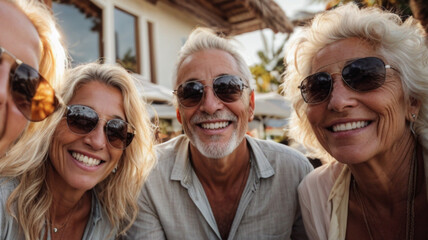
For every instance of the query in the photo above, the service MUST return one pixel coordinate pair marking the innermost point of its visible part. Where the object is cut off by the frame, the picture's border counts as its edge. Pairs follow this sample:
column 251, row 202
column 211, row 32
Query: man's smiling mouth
column 216, row 125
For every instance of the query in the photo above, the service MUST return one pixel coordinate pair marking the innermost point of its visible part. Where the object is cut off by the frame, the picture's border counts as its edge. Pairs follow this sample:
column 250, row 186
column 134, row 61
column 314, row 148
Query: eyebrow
column 198, row 80
column 192, row 80
column 117, row 117
column 346, row 62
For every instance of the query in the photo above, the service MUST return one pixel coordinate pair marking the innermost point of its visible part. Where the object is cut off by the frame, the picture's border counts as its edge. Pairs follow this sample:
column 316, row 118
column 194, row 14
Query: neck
column 384, row 179
column 64, row 198
column 224, row 171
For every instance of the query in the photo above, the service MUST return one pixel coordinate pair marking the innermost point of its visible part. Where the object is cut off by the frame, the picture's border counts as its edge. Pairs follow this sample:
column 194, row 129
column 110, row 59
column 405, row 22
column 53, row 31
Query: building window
column 126, row 40
column 150, row 31
column 81, row 24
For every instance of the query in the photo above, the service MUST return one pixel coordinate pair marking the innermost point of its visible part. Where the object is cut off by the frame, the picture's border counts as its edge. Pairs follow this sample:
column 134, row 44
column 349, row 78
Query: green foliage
column 401, row 7
column 267, row 73
column 129, row 61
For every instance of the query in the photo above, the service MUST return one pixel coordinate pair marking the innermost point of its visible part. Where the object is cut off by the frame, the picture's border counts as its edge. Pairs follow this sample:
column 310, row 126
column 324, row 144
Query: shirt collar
column 96, row 208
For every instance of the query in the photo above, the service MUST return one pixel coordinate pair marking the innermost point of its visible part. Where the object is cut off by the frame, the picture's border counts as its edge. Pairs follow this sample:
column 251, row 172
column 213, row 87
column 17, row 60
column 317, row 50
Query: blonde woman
column 89, row 161
column 31, row 56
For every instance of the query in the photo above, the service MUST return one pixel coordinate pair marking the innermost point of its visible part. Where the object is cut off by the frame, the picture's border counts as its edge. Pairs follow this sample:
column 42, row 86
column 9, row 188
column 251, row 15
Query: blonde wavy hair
column 402, row 44
column 53, row 55
column 118, row 193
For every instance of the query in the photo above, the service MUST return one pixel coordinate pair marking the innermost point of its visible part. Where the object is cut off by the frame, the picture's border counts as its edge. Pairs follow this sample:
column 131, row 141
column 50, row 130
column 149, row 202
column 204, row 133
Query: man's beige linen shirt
column 173, row 204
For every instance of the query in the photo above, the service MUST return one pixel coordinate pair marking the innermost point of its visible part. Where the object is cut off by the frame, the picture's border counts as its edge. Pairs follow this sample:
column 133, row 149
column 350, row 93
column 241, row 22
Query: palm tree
column 420, row 11
column 399, row 6
column 268, row 72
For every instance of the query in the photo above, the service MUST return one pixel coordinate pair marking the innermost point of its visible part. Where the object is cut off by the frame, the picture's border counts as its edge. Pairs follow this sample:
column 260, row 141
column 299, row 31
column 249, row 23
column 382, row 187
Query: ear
column 178, row 115
column 414, row 107
column 252, row 105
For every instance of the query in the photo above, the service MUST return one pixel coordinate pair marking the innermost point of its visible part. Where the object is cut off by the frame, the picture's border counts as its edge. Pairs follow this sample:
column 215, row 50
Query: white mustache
column 219, row 115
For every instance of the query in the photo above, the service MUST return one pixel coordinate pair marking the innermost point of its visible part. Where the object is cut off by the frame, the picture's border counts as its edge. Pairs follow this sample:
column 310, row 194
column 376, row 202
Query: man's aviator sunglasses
column 227, row 88
column 31, row 93
column 361, row 75
column 83, row 119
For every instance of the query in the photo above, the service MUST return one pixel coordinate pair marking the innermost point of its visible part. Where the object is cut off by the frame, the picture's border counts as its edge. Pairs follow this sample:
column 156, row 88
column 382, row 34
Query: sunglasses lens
column 190, row 93
column 32, row 94
column 228, row 88
column 117, row 133
column 316, row 88
column 81, row 119
column 365, row 74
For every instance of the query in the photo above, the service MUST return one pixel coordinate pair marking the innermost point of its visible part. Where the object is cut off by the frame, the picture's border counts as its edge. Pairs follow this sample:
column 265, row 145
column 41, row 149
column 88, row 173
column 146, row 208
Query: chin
column 216, row 149
column 83, row 183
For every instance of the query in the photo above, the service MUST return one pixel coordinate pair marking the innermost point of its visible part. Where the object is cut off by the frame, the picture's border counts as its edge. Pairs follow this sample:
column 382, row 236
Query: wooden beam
column 247, row 23
column 206, row 16
column 242, row 17
column 231, row 5
column 218, row 1
column 152, row 1
column 208, row 6
column 236, row 11
column 237, row 31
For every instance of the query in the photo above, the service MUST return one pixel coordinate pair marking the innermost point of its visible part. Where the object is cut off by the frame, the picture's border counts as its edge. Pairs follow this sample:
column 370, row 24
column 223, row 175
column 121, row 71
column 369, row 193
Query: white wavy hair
column 403, row 44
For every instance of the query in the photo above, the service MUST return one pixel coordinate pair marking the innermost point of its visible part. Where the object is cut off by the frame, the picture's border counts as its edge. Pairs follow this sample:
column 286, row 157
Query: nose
column 341, row 96
column 210, row 103
column 96, row 139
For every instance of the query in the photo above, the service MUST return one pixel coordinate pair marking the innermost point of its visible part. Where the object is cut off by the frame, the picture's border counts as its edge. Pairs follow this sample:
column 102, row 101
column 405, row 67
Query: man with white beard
column 215, row 182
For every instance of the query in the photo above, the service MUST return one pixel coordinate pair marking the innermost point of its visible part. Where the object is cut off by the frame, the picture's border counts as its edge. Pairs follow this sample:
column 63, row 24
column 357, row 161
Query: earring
column 412, row 123
column 114, row 170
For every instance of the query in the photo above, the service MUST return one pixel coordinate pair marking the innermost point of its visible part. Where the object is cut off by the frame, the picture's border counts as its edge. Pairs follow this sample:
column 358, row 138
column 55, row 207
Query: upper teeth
column 88, row 161
column 215, row 125
column 349, row 126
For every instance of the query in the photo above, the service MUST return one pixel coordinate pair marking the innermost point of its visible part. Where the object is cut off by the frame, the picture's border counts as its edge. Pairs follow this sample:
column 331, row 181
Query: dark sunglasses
column 227, row 88
column 31, row 93
column 361, row 75
column 83, row 119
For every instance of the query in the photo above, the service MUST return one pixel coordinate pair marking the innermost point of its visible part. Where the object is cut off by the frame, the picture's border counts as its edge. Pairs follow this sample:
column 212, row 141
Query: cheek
column 61, row 137
column 116, row 155
column 392, row 119
column 392, row 110
column 16, row 122
column 185, row 118
column 314, row 115
column 57, row 157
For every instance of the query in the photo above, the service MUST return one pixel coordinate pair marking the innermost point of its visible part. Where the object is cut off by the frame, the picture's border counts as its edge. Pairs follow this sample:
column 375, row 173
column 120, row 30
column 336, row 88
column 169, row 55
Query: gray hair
column 403, row 44
column 204, row 39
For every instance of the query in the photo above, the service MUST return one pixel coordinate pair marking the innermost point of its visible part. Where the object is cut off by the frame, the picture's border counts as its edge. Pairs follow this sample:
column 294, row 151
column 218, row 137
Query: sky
column 249, row 43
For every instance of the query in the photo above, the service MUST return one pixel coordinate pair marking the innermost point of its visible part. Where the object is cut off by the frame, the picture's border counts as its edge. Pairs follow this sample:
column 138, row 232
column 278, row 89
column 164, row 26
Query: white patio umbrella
column 272, row 105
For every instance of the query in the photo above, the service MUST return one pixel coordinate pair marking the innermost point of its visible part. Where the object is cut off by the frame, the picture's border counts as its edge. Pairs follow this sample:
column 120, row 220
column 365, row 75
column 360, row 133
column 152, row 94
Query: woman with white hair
column 358, row 80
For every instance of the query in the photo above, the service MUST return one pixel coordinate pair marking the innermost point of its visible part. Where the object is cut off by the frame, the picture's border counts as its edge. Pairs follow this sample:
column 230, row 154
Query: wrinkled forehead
column 206, row 65
column 339, row 65
column 339, row 52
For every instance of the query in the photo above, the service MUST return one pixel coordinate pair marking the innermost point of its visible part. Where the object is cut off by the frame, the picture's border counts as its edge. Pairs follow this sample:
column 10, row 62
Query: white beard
column 216, row 149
